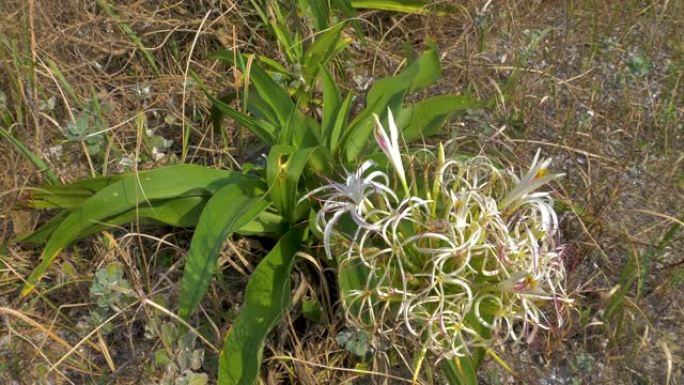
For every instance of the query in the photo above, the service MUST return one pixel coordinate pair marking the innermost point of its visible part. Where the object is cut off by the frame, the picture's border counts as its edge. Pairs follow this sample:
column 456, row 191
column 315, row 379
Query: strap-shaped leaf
column 260, row 128
column 276, row 97
column 285, row 165
column 130, row 192
column 229, row 208
column 337, row 131
column 273, row 104
column 426, row 117
column 405, row 6
column 265, row 224
column 325, row 47
column 386, row 93
column 301, row 132
column 69, row 196
column 332, row 101
column 460, row 371
column 318, row 11
column 264, row 130
column 267, row 298
column 178, row 212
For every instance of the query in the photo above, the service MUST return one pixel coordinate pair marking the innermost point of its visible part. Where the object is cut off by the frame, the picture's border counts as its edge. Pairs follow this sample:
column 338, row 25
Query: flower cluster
column 463, row 257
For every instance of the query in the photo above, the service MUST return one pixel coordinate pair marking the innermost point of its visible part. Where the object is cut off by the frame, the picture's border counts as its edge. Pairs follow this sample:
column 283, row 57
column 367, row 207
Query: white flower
column 390, row 145
column 535, row 178
column 354, row 198
column 480, row 242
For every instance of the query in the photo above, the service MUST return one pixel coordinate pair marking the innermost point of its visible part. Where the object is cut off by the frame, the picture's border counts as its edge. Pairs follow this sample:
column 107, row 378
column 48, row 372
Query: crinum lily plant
column 456, row 254
column 462, row 255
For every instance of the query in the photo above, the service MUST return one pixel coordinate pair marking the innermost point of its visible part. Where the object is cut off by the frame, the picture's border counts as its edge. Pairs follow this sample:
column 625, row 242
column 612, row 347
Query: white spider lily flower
column 477, row 239
column 390, row 145
column 537, row 176
column 354, row 197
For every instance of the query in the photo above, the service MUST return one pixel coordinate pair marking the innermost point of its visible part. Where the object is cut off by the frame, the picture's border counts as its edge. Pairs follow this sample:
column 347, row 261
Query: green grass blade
column 66, row 86
column 317, row 10
column 615, row 306
column 126, row 194
column 228, row 209
column 42, row 234
column 426, row 117
column 33, row 158
column 113, row 14
column 267, row 298
column 346, row 8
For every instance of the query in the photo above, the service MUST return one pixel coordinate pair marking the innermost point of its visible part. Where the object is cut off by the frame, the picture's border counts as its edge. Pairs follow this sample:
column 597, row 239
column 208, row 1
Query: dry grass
column 595, row 84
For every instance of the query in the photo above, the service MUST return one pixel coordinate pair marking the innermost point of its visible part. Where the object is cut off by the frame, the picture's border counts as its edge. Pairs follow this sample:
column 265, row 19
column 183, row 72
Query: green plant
column 111, row 291
column 457, row 253
column 178, row 356
column 305, row 56
column 306, row 150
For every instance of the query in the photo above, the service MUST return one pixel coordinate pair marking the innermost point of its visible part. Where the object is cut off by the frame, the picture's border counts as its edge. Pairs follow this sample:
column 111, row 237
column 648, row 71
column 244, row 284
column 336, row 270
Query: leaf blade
column 227, row 210
column 267, row 297
column 130, row 192
column 424, row 118
column 387, row 93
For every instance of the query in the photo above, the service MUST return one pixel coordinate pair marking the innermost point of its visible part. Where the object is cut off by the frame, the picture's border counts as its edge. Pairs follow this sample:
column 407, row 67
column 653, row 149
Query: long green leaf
column 405, row 6
column 285, row 165
column 42, row 234
column 71, row 195
column 267, row 298
column 274, row 104
column 178, row 212
column 265, row 225
column 346, row 8
column 228, row 209
column 426, row 117
column 276, row 97
column 337, row 131
column 126, row 29
column 332, row 101
column 389, row 93
column 327, row 44
column 260, row 128
column 317, row 10
column 460, row 371
column 130, row 192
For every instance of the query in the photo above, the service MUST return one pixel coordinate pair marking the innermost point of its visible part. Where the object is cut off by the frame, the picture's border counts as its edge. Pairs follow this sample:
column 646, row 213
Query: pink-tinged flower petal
column 381, row 137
